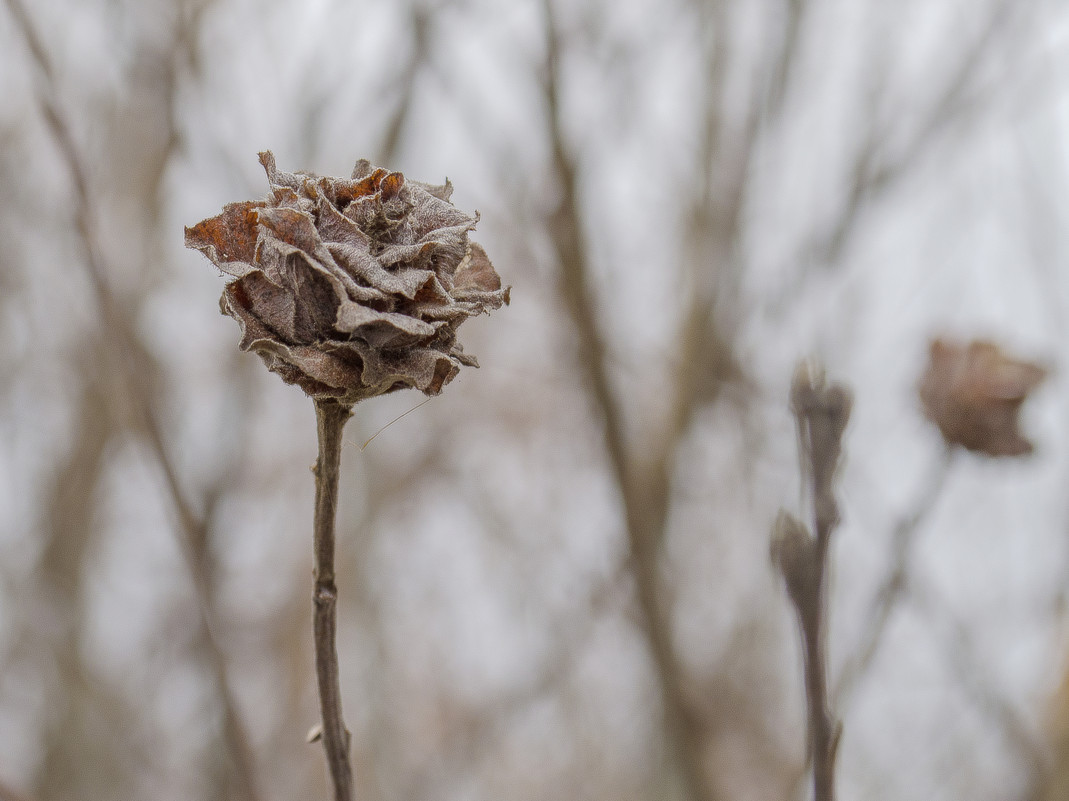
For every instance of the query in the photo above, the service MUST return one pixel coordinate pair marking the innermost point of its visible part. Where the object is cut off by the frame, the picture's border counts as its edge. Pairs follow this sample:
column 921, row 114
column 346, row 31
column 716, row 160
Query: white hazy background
column 836, row 180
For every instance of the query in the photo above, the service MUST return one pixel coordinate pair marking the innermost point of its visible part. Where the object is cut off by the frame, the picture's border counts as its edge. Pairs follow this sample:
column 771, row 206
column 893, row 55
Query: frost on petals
column 351, row 288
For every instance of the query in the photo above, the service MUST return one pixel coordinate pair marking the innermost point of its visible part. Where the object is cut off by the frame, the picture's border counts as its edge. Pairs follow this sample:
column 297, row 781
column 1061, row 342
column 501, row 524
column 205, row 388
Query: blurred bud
column 822, row 412
column 974, row 392
column 794, row 553
column 351, row 288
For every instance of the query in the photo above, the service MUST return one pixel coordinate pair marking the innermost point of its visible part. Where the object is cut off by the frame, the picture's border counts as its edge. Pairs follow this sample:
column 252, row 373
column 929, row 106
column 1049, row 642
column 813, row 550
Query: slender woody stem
column 821, row 412
column 823, row 727
column 330, row 421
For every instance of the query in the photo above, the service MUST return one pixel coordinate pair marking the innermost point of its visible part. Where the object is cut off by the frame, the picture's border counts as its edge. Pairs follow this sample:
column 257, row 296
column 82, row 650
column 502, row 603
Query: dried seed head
column 351, row 288
column 821, row 411
column 974, row 392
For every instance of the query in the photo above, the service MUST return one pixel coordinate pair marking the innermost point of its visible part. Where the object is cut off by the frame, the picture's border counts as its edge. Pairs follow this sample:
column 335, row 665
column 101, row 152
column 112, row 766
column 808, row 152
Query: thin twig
column 486, row 726
column 782, row 70
column 117, row 351
column 975, row 677
column 404, row 89
column 875, row 172
column 872, row 177
column 645, row 499
column 894, row 585
column 330, row 422
column 821, row 413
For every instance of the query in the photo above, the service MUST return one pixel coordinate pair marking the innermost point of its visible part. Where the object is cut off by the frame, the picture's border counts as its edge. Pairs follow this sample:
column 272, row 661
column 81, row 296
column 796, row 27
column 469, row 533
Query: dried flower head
column 351, row 288
column 821, row 411
column 974, row 392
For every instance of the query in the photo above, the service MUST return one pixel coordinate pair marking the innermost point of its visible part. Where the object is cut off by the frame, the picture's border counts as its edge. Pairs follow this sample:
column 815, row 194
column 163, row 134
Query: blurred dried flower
column 821, row 411
column 974, row 392
column 351, row 288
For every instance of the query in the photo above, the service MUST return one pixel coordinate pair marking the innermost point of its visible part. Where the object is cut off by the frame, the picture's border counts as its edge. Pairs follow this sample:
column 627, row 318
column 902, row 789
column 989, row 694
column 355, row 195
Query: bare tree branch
column 894, row 585
column 645, row 504
column 405, row 89
column 975, row 678
column 120, row 347
column 875, row 172
column 779, row 82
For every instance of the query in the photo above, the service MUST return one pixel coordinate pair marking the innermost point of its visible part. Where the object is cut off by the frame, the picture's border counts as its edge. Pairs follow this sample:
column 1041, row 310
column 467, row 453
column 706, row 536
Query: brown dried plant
column 821, row 413
column 351, row 288
column 974, row 392
column 348, row 288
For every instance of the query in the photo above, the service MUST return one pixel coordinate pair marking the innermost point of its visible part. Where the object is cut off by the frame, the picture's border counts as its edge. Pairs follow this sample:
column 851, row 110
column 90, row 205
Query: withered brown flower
column 974, row 392
column 351, row 288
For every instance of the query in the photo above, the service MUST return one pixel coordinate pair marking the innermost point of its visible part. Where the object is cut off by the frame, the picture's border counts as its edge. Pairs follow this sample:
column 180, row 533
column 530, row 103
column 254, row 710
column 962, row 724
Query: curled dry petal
column 351, row 287
column 974, row 392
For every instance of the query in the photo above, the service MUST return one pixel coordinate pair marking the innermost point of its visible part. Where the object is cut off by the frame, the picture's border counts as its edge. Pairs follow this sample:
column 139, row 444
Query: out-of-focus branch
column 405, row 88
column 873, row 175
column 894, row 584
column 181, row 50
column 120, row 350
column 644, row 502
column 568, row 240
column 703, row 352
column 974, row 676
column 821, row 413
column 1051, row 782
column 779, row 81
column 484, row 726
column 76, row 702
column 706, row 351
column 952, row 102
column 874, row 172
column 891, row 593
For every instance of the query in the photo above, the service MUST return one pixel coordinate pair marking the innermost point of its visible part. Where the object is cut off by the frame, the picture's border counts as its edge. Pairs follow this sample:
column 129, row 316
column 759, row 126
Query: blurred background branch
column 559, row 573
column 129, row 374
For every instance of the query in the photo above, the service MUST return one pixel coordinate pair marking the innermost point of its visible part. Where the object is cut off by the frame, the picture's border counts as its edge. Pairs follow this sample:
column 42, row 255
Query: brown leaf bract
column 974, row 392
column 351, row 288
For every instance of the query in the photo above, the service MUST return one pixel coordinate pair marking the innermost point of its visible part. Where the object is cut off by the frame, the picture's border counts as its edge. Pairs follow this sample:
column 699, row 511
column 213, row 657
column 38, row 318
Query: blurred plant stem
column 821, row 412
column 330, row 422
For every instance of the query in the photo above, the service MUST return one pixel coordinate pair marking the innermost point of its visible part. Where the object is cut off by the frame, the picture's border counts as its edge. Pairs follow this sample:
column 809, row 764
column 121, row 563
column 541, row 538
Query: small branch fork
column 894, row 586
column 821, row 413
column 330, row 422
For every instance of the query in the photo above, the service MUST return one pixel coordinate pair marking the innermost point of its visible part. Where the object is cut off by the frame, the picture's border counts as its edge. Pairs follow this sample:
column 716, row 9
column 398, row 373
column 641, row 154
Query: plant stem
column 330, row 421
column 821, row 413
column 823, row 728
